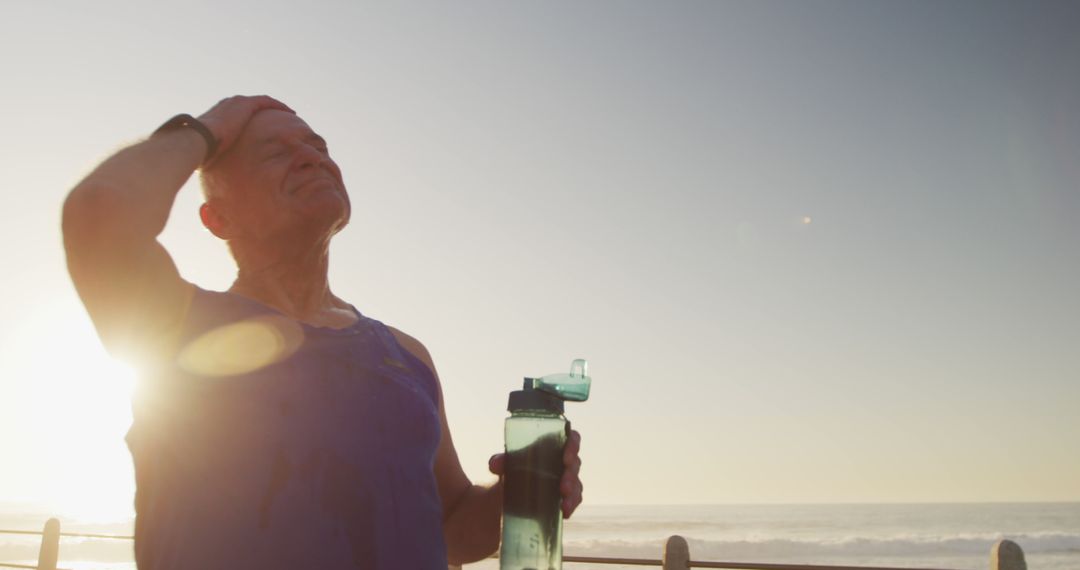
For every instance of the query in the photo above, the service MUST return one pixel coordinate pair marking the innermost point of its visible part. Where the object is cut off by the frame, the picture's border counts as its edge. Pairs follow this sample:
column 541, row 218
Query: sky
column 813, row 251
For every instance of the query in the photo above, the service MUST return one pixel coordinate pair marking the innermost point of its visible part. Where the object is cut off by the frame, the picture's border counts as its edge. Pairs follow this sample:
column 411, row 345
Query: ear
column 215, row 221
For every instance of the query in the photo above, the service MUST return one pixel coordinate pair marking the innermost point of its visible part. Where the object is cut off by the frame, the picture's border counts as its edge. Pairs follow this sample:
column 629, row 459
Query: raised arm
column 111, row 221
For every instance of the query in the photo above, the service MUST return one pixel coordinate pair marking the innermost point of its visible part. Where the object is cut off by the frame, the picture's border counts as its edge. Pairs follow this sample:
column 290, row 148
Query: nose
column 307, row 156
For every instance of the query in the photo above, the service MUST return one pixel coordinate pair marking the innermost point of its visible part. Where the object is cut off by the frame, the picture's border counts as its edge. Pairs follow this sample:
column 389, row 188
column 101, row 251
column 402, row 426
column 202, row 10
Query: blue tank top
column 322, row 459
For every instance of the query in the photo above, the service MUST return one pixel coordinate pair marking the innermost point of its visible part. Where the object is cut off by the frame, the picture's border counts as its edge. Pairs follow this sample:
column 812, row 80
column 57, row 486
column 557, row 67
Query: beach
column 955, row 536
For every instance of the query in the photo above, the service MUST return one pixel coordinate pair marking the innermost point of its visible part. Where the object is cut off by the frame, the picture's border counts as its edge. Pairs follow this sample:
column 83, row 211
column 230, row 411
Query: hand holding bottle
column 570, row 486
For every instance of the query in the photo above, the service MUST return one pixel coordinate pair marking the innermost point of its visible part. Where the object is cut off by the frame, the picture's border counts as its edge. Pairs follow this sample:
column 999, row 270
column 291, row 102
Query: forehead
column 273, row 125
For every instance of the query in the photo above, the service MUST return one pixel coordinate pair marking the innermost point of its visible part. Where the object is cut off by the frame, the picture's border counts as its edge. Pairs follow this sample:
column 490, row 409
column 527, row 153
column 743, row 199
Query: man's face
column 280, row 181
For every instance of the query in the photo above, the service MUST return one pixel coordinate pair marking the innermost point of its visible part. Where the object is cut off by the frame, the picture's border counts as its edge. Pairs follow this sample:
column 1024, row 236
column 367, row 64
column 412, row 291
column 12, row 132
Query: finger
column 571, row 457
column 267, row 102
column 573, row 444
column 497, row 464
column 570, row 481
column 571, row 466
column 570, row 504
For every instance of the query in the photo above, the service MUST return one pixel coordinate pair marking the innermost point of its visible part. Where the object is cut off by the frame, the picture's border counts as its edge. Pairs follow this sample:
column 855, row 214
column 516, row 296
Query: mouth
column 314, row 185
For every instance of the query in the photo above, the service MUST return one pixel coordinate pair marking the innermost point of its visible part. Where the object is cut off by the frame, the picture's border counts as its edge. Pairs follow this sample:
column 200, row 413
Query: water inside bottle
column 532, row 517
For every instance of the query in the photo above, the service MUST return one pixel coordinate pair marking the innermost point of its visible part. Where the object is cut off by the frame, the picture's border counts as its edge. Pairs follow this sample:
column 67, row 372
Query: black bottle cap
column 529, row 398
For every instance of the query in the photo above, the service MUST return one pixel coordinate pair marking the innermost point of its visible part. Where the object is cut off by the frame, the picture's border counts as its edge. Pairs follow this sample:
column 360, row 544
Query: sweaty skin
column 277, row 198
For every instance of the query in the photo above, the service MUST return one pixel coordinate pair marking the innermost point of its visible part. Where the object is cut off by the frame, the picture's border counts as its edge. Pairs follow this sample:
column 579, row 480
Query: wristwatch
column 185, row 121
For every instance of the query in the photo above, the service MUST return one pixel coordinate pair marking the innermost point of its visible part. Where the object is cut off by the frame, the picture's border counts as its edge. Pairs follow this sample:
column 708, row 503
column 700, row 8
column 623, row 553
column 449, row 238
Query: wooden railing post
column 1007, row 555
column 676, row 553
column 50, row 545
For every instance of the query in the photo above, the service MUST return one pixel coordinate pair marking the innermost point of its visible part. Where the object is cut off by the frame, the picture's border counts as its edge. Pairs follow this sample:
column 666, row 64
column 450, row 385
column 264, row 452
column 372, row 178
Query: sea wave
column 854, row 546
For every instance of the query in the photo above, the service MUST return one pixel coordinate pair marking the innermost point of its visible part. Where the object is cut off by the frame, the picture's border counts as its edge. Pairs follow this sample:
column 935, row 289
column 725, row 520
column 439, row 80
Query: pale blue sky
column 627, row 182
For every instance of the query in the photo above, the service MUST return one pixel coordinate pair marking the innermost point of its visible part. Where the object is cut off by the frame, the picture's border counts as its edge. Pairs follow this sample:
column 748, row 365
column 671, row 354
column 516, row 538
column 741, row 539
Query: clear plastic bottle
column 535, row 436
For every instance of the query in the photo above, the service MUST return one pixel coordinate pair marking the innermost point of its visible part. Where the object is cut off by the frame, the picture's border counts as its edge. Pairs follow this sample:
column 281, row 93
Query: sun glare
column 75, row 402
column 73, row 405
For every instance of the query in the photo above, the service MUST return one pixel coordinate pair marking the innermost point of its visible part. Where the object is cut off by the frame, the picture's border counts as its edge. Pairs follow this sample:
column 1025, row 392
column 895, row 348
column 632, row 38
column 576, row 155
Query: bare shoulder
column 415, row 347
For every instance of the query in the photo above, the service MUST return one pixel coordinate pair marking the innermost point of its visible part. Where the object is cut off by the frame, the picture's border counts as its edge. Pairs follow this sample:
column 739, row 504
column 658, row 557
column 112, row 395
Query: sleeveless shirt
column 319, row 459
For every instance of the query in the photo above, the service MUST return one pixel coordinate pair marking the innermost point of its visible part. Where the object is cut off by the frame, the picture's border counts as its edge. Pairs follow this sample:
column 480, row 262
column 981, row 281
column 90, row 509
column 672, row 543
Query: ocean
column 957, row 536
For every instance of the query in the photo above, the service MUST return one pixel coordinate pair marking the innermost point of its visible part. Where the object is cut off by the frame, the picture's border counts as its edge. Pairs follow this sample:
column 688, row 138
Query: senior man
column 330, row 449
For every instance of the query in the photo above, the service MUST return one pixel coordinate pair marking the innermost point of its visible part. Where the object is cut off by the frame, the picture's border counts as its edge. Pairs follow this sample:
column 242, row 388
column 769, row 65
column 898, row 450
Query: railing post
column 677, row 553
column 1007, row 555
column 50, row 545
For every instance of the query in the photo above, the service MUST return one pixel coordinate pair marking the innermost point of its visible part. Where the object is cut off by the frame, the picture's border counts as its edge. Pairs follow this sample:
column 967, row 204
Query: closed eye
column 275, row 152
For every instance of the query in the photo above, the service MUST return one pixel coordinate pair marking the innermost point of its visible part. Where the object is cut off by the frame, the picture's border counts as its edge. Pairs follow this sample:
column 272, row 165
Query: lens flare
column 240, row 348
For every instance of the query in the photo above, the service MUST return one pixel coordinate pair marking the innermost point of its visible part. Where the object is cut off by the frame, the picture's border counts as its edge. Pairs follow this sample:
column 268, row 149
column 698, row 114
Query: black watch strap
column 184, row 120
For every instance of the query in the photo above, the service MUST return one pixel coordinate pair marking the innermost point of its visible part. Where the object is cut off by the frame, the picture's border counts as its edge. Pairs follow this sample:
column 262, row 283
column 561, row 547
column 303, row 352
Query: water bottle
column 535, row 436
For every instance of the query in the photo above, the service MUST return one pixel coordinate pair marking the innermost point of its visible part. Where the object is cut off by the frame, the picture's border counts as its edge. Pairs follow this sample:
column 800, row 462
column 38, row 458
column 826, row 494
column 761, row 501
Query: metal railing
column 49, row 553
column 1005, row 555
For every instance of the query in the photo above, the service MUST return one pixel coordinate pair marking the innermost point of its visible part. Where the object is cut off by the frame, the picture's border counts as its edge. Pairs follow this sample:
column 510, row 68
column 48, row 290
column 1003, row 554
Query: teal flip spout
column 572, row 387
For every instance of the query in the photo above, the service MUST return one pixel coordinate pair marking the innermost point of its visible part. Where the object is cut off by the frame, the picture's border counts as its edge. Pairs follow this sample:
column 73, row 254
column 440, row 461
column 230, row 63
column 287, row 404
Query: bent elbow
column 80, row 213
column 95, row 214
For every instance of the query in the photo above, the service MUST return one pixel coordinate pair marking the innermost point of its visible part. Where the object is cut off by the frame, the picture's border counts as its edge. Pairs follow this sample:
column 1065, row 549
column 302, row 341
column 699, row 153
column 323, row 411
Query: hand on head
column 227, row 119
